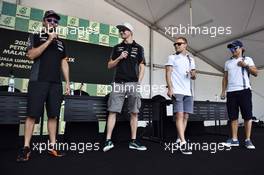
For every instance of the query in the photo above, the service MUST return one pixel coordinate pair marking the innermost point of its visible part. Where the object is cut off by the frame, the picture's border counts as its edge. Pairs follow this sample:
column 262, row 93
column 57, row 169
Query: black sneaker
column 185, row 149
column 56, row 153
column 108, row 145
column 136, row 145
column 23, row 154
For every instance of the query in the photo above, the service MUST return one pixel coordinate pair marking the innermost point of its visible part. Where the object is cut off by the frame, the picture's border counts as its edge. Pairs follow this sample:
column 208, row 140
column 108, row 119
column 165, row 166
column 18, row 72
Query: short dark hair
column 182, row 38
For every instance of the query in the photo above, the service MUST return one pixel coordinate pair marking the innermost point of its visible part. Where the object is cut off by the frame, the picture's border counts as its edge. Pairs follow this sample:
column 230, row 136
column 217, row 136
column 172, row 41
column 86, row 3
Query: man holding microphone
column 128, row 60
column 50, row 60
column 237, row 85
column 180, row 71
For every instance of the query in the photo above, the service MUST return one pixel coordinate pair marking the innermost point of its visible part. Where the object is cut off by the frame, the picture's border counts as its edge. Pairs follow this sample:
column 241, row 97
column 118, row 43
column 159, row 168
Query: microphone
column 52, row 30
column 127, row 50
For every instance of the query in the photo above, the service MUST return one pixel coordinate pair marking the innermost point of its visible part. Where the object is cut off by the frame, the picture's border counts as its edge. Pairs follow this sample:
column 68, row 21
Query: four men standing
column 50, row 59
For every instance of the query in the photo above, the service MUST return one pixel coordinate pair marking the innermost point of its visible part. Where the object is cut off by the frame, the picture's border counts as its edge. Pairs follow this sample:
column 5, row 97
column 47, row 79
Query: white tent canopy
column 244, row 16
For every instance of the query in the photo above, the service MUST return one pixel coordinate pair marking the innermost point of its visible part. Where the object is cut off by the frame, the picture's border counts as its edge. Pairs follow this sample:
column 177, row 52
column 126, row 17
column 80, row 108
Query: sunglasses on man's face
column 123, row 30
column 178, row 44
column 233, row 49
column 51, row 20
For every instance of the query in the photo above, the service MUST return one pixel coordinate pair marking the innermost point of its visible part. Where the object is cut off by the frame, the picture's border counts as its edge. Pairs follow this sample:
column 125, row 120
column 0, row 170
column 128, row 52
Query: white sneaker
column 108, row 145
column 178, row 141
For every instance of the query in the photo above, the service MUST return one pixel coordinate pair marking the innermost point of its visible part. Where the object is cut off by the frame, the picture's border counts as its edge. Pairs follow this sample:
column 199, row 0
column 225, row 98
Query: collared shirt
column 127, row 69
column 47, row 67
column 235, row 75
column 181, row 64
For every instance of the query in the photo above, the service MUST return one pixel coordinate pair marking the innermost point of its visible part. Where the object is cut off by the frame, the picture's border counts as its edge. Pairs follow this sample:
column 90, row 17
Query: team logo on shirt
column 134, row 49
column 43, row 39
column 120, row 49
column 134, row 52
column 60, row 45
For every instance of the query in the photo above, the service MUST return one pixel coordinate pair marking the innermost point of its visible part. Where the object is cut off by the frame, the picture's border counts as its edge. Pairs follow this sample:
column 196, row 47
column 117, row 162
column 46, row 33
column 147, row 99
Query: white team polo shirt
column 180, row 81
column 235, row 76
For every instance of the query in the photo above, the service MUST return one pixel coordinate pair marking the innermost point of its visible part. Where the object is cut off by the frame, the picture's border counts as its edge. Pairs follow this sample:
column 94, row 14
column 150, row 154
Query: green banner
column 27, row 19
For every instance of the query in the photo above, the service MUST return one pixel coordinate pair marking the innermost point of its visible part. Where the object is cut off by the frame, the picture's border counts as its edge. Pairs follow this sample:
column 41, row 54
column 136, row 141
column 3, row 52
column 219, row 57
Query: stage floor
column 155, row 160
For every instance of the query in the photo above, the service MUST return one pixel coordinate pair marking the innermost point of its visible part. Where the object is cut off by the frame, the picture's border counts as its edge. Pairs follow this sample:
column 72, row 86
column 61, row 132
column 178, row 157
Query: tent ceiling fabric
column 244, row 16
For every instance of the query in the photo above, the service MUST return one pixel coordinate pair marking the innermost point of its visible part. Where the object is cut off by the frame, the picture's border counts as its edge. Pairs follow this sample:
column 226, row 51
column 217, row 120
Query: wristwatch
column 247, row 67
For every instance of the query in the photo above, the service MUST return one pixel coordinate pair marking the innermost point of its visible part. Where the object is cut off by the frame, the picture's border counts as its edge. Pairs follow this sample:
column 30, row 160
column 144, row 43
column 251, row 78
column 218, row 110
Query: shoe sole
column 230, row 145
column 108, row 148
column 250, row 147
column 53, row 154
column 190, row 153
column 139, row 149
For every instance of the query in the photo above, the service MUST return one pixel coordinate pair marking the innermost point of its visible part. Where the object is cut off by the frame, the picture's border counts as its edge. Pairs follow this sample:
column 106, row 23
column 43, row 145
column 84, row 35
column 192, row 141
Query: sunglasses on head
column 51, row 20
column 178, row 44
